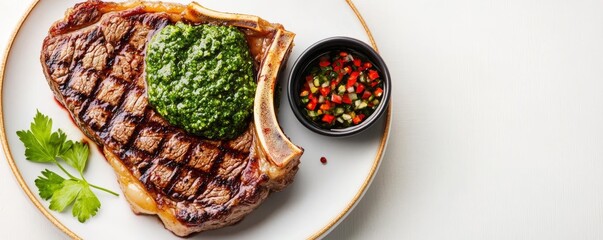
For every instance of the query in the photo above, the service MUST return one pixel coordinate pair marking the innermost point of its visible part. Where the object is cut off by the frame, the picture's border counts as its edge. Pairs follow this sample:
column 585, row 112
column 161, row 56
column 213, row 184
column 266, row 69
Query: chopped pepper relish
column 340, row 90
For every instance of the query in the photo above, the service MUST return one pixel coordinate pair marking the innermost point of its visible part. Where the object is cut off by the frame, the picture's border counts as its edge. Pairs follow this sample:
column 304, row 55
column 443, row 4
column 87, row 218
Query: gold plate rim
column 71, row 234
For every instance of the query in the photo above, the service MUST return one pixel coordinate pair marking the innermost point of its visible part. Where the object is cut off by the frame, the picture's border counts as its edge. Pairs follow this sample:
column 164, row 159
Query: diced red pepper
column 336, row 67
column 346, row 99
column 358, row 118
column 325, row 91
column 351, row 82
column 325, row 106
column 378, row 92
column 328, row 118
column 312, row 98
column 336, row 98
column 324, row 63
column 357, row 62
column 367, row 65
column 360, row 88
column 373, row 84
column 366, row 94
column 311, row 106
column 372, row 74
column 343, row 54
column 333, row 84
column 352, row 79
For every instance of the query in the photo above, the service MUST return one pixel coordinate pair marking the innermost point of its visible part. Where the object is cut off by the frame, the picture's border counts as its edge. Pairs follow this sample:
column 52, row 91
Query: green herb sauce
column 200, row 78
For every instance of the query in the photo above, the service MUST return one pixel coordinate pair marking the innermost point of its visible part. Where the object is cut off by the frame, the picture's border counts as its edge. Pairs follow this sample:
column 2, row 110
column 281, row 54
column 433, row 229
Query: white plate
column 320, row 197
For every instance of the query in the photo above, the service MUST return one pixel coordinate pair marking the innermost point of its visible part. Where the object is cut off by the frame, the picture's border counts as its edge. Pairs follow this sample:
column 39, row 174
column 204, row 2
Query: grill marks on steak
column 96, row 71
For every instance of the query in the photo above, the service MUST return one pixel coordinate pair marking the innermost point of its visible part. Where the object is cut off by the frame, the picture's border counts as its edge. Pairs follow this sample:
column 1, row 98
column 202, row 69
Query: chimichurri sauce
column 200, row 78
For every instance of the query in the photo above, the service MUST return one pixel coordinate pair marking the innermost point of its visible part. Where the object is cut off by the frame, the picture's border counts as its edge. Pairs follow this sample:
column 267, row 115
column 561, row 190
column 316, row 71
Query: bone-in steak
column 93, row 60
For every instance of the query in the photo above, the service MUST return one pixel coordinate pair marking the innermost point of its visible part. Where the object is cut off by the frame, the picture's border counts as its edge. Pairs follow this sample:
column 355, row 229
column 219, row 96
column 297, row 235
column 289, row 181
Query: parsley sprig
column 44, row 146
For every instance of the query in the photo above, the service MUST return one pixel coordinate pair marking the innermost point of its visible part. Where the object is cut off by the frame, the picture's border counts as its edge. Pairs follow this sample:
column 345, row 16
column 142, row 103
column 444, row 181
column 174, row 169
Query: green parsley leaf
column 77, row 155
column 86, row 205
column 66, row 195
column 40, row 144
column 48, row 184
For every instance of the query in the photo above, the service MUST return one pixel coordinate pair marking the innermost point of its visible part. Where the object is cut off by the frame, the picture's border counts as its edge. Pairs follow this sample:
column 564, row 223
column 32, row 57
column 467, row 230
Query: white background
column 497, row 130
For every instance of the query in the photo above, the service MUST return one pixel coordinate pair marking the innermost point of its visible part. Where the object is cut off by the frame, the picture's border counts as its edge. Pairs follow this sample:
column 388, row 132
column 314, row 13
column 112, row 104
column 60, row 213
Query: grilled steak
column 93, row 60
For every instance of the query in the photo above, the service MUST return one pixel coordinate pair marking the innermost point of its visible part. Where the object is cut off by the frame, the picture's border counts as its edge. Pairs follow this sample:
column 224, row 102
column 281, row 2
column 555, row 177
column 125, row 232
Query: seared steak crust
column 94, row 61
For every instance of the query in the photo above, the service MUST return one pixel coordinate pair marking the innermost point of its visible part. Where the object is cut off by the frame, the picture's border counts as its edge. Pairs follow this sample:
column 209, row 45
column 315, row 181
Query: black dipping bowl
column 297, row 78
